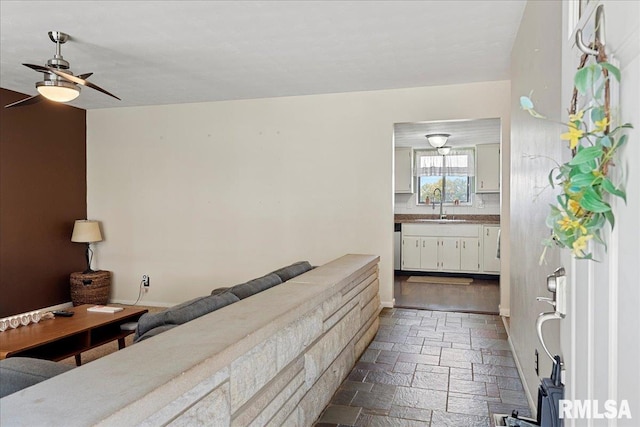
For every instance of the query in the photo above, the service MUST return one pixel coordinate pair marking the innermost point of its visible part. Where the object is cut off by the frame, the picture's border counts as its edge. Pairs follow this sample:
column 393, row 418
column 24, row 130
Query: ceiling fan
column 59, row 84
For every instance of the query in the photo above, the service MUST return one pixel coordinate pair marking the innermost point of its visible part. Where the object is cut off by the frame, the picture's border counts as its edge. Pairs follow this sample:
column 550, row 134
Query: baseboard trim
column 62, row 306
column 388, row 304
column 532, row 404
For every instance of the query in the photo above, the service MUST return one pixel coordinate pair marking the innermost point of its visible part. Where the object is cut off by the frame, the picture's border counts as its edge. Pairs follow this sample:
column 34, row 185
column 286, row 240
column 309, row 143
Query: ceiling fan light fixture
column 437, row 140
column 58, row 90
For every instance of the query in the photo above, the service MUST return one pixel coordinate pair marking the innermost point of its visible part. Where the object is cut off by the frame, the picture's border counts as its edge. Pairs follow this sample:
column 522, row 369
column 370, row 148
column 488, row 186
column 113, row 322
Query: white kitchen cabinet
column 449, row 254
column 428, row 253
column 490, row 261
column 410, row 253
column 403, row 171
column 419, row 253
column 453, row 248
column 488, row 168
column 470, row 254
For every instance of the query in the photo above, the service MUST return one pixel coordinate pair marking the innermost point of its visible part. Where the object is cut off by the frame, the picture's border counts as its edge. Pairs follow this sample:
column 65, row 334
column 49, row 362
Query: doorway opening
column 441, row 236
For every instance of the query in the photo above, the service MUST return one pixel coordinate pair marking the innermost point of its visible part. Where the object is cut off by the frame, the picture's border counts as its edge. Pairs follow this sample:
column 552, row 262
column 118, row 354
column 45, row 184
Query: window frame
column 434, row 152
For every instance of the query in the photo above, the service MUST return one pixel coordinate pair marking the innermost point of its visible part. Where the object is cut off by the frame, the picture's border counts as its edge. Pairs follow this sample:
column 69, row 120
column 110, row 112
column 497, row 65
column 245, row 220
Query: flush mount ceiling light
column 59, row 83
column 437, row 140
column 444, row 150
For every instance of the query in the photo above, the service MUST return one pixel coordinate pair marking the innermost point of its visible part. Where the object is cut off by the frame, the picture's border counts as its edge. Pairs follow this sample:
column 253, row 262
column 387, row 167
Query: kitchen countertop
column 464, row 219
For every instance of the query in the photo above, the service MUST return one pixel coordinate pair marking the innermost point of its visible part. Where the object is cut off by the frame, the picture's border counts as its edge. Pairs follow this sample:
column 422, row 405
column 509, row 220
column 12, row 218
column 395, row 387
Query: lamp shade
column 58, row 91
column 86, row 231
column 437, row 140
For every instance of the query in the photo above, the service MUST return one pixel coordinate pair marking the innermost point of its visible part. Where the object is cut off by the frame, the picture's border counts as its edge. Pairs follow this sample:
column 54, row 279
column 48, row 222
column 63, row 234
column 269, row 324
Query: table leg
column 78, row 360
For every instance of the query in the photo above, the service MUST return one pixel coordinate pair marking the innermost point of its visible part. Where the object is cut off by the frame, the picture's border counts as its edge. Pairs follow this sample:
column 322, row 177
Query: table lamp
column 86, row 231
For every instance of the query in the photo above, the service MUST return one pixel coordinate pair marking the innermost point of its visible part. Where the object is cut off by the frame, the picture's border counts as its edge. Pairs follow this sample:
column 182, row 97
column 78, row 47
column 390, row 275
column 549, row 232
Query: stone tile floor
column 430, row 368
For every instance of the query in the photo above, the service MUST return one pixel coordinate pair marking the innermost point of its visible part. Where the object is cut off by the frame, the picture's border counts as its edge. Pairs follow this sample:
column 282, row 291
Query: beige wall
column 535, row 66
column 205, row 195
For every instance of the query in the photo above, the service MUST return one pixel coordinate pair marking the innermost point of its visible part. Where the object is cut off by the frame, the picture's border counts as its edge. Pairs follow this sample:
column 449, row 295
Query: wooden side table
column 90, row 288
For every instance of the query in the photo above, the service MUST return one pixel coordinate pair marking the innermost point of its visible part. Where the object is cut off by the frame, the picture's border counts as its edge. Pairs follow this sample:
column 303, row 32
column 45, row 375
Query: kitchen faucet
column 442, row 216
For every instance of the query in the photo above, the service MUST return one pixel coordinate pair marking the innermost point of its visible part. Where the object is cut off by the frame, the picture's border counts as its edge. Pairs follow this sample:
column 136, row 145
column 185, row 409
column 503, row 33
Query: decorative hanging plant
column 582, row 209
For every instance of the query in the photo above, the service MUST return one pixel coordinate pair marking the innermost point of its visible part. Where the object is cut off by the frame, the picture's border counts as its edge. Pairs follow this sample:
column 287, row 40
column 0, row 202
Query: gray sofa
column 17, row 373
column 275, row 358
column 152, row 324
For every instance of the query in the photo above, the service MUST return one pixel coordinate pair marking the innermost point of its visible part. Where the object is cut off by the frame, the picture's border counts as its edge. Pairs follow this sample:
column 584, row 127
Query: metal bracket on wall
column 600, row 37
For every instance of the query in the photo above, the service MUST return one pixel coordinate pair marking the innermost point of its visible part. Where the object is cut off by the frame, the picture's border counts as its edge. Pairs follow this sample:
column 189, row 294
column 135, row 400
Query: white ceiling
column 166, row 52
column 464, row 133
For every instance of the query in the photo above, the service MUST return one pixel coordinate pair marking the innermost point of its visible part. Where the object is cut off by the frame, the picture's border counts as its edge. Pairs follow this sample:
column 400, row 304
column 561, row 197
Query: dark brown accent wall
column 42, row 191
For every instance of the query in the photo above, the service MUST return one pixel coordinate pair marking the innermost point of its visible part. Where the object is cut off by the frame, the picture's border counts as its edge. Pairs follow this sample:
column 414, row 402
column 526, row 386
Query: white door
column 410, row 253
column 469, row 254
column 600, row 337
column 490, row 260
column 488, row 168
column 429, row 253
column 449, row 253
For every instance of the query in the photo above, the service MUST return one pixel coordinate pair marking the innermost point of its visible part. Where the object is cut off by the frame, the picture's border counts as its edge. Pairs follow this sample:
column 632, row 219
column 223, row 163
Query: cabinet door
column 488, row 168
column 449, row 254
column 429, row 253
column 470, row 254
column 410, row 253
column 490, row 261
column 403, row 172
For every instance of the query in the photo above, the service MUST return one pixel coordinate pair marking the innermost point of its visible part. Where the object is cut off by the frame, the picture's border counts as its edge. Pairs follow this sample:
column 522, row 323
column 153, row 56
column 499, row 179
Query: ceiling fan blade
column 99, row 89
column 38, row 68
column 26, row 101
column 85, row 75
column 78, row 80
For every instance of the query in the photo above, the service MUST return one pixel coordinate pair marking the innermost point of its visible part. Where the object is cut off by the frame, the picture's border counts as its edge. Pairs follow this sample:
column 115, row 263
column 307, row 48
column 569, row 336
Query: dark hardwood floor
column 481, row 296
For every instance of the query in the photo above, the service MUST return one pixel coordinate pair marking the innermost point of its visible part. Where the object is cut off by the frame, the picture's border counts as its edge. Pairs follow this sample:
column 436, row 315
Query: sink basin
column 442, row 221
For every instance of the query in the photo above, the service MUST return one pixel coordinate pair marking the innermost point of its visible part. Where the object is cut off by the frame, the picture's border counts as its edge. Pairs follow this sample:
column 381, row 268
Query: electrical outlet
column 145, row 281
column 536, row 362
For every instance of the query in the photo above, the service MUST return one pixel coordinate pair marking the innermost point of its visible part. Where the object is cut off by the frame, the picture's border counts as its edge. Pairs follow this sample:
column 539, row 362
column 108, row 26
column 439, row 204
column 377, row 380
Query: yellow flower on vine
column 567, row 223
column 573, row 136
column 574, row 207
column 576, row 117
column 601, row 125
column 580, row 245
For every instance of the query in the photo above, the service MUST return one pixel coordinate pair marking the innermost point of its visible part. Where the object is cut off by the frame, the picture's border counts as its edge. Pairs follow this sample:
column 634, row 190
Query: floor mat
column 440, row 280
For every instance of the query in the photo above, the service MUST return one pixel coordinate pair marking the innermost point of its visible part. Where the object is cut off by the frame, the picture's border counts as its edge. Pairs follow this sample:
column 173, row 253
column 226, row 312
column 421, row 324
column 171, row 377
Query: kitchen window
column 452, row 174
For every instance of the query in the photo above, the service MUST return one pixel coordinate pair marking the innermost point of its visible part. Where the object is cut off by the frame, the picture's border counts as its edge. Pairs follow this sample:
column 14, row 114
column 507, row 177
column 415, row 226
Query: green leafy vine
column 582, row 208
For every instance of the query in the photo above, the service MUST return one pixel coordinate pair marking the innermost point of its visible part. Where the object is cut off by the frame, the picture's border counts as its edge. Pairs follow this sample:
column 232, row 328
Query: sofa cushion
column 184, row 312
column 17, row 373
column 293, row 270
column 153, row 332
column 254, row 286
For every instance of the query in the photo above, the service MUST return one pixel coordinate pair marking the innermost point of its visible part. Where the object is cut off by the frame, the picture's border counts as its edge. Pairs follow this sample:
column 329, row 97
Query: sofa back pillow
column 153, row 332
column 293, row 270
column 254, row 286
column 184, row 312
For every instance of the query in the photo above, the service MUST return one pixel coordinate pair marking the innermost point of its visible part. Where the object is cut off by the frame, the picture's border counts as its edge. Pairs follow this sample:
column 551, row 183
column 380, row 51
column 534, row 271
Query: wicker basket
column 90, row 288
